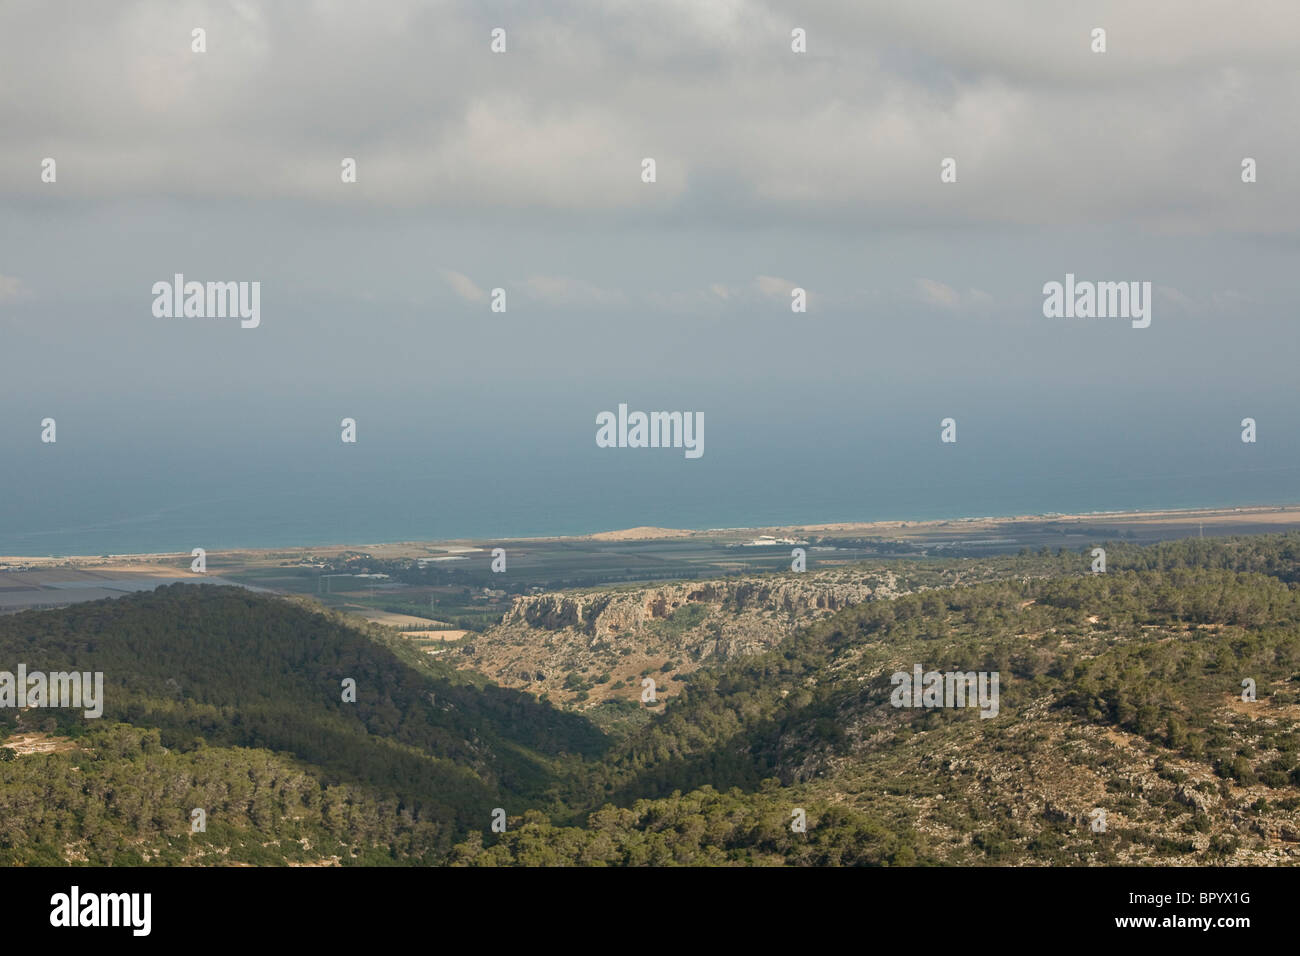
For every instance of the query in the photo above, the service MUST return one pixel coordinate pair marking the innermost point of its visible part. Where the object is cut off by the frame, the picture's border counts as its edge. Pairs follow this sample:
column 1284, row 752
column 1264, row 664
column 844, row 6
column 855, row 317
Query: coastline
column 1231, row 520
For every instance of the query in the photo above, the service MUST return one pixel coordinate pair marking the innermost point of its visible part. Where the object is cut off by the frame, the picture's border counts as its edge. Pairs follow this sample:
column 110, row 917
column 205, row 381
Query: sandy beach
column 1217, row 521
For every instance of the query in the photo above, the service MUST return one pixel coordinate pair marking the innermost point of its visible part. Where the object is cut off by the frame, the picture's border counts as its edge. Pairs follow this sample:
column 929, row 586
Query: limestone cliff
column 624, row 634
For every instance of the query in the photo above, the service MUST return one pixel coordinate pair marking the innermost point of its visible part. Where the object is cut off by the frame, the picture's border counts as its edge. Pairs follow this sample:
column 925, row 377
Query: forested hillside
column 1121, row 697
column 235, row 704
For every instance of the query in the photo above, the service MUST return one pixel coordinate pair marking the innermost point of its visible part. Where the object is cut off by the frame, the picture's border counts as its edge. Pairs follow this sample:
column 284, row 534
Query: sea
column 237, row 477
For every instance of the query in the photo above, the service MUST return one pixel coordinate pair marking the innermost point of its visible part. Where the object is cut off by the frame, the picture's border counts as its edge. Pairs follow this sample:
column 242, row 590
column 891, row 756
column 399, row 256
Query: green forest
column 1120, row 692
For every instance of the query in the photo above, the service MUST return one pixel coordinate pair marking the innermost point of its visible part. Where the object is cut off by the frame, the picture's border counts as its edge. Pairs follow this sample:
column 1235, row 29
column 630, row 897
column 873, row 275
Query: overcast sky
column 523, row 171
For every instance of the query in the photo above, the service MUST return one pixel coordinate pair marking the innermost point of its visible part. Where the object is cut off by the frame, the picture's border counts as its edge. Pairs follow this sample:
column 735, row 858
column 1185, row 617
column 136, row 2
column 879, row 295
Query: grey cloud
column 1044, row 132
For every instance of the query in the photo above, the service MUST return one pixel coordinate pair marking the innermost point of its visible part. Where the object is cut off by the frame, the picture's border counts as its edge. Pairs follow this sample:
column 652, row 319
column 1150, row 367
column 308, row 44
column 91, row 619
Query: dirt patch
column 1257, row 709
column 640, row 534
column 436, row 635
column 392, row 619
column 38, row 743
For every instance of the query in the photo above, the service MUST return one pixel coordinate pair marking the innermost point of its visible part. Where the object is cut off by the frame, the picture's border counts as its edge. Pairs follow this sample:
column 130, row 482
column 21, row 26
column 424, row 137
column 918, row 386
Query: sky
column 522, row 171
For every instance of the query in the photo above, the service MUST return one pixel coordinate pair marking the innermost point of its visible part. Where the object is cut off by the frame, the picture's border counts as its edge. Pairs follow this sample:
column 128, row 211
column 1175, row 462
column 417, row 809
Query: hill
column 219, row 699
column 1123, row 697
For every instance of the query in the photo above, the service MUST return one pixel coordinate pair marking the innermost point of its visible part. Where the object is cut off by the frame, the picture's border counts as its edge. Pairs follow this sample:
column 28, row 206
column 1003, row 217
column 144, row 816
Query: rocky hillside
column 583, row 647
column 1144, row 718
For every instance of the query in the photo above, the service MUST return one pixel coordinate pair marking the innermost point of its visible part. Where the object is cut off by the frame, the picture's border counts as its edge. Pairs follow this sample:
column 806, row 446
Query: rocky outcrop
column 546, row 640
column 602, row 614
